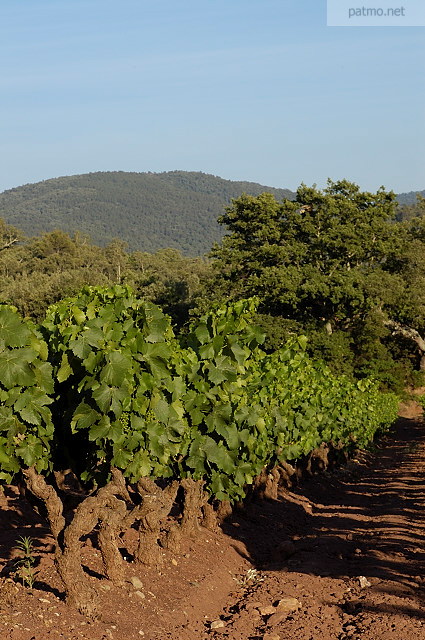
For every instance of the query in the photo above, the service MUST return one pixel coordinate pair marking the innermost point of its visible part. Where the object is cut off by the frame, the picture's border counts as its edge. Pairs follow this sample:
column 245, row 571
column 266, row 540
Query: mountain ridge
column 148, row 211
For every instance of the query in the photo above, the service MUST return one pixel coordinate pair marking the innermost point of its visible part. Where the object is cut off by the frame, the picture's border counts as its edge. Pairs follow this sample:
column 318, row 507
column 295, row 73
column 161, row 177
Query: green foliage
column 26, row 388
column 332, row 264
column 127, row 205
column 224, row 449
column 212, row 406
column 334, row 349
column 263, row 407
column 315, row 257
column 118, row 366
column 43, row 270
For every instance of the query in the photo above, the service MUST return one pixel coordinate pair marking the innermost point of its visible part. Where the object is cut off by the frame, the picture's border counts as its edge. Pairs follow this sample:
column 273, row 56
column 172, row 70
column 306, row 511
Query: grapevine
column 105, row 388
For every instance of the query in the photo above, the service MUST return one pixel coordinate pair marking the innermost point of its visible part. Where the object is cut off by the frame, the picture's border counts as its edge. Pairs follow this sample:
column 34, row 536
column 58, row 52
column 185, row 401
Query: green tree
column 406, row 315
column 9, row 235
column 42, row 270
column 327, row 263
column 169, row 279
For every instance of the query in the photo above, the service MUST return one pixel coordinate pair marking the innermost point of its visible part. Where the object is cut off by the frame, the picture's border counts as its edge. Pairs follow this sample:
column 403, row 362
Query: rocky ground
column 340, row 557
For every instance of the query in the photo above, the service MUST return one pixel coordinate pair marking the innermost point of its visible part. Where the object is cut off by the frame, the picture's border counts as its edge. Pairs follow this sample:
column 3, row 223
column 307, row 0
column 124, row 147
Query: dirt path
column 349, row 547
column 341, row 557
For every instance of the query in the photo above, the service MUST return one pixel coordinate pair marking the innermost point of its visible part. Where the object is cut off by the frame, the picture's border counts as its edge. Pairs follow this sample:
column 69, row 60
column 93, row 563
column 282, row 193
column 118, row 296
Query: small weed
column 251, row 577
column 25, row 563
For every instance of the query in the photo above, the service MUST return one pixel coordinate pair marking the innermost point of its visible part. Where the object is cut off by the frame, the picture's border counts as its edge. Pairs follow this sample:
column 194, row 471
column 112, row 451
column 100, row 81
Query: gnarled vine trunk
column 157, row 505
column 79, row 592
column 111, row 516
column 194, row 500
column 104, row 506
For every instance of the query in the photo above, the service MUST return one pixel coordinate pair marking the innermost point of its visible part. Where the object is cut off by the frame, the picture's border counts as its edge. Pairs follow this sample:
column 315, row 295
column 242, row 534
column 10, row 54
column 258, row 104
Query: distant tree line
column 39, row 271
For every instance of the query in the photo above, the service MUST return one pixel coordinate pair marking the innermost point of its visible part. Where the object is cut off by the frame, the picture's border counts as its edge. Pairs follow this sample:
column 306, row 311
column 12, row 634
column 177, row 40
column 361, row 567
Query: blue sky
column 257, row 90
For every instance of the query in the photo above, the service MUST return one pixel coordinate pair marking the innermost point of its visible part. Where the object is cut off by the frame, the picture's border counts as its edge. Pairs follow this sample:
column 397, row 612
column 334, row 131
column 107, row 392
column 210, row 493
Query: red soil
column 340, row 557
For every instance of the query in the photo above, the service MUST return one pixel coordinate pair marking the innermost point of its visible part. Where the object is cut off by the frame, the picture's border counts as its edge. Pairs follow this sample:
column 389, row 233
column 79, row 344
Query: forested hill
column 149, row 211
column 409, row 197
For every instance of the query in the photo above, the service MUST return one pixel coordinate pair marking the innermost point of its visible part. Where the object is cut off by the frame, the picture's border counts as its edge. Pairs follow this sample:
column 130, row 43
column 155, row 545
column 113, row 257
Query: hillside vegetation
column 410, row 197
column 333, row 265
column 148, row 211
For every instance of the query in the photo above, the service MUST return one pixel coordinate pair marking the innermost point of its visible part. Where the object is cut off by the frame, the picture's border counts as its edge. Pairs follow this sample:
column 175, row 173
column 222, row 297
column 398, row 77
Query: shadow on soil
column 21, row 520
column 367, row 519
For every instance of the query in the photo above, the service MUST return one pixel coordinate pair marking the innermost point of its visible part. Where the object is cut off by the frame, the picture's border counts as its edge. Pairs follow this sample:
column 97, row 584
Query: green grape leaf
column 156, row 350
column 80, row 347
column 239, row 353
column 140, row 466
column 196, row 416
column 137, row 423
column 231, row 435
column 156, row 329
column 15, row 369
column 161, row 409
column 13, row 331
column 100, row 429
column 202, row 333
column 302, row 341
column 41, row 347
column 109, row 398
column 4, row 457
column 216, row 375
column 29, row 452
column 206, row 351
column 121, row 458
column 92, row 361
column 43, row 372
column 64, row 370
column 117, row 369
column 78, row 314
column 115, row 433
column 84, row 416
column 217, row 454
column 158, row 368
